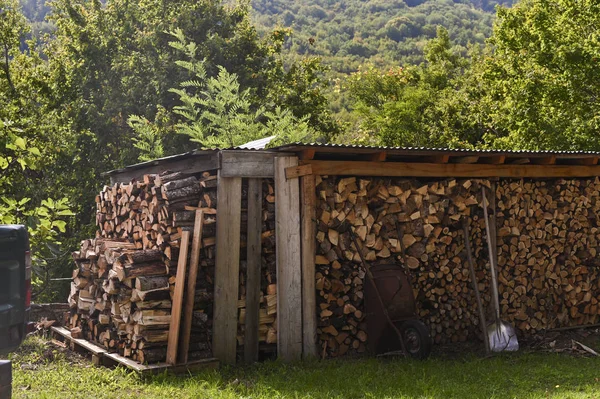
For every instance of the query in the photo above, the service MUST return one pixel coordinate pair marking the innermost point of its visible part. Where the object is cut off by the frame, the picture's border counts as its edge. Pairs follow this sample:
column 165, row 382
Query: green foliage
column 405, row 106
column 217, row 113
column 148, row 140
column 542, row 78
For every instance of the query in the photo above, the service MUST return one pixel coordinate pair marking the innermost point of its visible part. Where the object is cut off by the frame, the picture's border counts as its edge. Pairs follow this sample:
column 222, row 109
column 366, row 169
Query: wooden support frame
column 173, row 339
column 253, row 264
column 467, row 159
column 401, row 169
column 494, row 159
column 227, row 268
column 309, row 298
column 247, row 163
column 289, row 266
column 188, row 310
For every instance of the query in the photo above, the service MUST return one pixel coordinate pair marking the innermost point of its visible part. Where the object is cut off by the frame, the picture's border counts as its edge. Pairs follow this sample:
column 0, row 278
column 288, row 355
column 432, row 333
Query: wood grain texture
column 241, row 163
column 191, row 287
column 253, row 256
column 229, row 202
column 195, row 164
column 309, row 299
column 289, row 266
column 173, row 341
column 363, row 168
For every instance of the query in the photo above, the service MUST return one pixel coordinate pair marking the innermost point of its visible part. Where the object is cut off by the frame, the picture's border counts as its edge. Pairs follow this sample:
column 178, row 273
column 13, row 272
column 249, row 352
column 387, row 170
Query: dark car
column 15, row 285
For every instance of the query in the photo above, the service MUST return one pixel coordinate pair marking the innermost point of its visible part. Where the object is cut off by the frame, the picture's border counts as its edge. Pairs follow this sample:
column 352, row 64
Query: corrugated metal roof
column 259, row 144
column 290, row 147
column 333, row 150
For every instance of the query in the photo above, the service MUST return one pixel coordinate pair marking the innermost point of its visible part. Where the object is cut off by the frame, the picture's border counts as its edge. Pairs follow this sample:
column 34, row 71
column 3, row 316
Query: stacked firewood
column 124, row 281
column 548, row 244
column 267, row 333
column 427, row 216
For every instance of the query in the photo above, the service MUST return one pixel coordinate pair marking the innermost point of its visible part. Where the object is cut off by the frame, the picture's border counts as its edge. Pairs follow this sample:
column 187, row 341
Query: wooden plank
column 468, row 159
column 227, row 268
column 288, row 258
column 161, row 367
column 188, row 309
column 193, row 164
column 297, row 171
column 309, row 296
column 549, row 160
column 173, row 340
column 378, row 156
column 358, row 168
column 587, row 161
column 62, row 332
column 307, row 154
column 437, row 158
column 493, row 159
column 245, row 163
column 253, row 262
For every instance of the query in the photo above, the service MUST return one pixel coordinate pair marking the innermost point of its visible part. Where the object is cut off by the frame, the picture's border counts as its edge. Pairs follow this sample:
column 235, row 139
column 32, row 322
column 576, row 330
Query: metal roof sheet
column 289, row 147
column 258, row 145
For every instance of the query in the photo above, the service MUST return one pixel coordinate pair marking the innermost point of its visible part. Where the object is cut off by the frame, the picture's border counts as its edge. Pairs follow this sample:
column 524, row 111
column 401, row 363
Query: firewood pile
column 123, row 285
column 267, row 333
column 546, row 244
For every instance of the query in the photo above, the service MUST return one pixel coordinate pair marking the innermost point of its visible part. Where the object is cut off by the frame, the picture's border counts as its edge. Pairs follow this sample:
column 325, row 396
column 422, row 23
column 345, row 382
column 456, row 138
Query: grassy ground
column 42, row 371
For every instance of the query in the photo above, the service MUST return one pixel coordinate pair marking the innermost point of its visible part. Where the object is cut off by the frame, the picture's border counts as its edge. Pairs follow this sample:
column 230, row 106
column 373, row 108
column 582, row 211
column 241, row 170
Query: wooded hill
column 348, row 33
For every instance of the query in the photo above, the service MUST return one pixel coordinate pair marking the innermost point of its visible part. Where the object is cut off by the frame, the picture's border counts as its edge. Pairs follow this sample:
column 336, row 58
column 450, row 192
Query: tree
column 405, row 106
column 216, row 112
column 541, row 81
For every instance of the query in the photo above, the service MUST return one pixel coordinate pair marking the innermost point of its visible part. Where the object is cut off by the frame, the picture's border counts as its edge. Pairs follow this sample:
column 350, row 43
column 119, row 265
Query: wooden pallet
column 101, row 357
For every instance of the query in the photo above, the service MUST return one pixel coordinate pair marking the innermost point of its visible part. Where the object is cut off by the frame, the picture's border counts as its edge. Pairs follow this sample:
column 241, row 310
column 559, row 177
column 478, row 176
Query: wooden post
column 227, row 268
column 253, row 259
column 289, row 265
column 5, row 379
column 173, row 339
column 309, row 295
column 188, row 310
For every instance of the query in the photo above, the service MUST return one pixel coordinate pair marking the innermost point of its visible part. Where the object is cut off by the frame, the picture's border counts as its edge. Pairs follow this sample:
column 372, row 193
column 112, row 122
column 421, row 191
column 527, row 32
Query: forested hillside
column 348, row 33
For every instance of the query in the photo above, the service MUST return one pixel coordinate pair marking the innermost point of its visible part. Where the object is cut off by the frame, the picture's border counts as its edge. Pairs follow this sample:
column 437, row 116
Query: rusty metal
column 376, row 294
column 391, row 283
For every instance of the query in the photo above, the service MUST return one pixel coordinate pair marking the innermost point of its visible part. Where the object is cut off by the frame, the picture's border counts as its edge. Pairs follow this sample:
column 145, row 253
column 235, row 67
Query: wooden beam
column 241, row 163
column 549, row 160
column 587, row 161
column 309, row 296
column 494, row 159
column 253, row 262
column 297, row 171
column 380, row 156
column 227, row 268
column 519, row 161
column 391, row 169
column 188, row 310
column 173, row 339
column 437, row 159
column 307, row 155
column 469, row 159
column 288, row 258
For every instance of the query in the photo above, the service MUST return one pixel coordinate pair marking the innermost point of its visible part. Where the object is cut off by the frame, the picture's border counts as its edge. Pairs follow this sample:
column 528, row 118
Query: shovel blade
column 502, row 337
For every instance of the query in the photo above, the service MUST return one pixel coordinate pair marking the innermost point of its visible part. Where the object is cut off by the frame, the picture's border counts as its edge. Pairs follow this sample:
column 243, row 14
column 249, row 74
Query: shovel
column 501, row 335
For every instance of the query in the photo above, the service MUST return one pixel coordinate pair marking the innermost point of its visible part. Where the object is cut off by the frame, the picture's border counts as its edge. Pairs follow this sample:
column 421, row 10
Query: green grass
column 40, row 372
